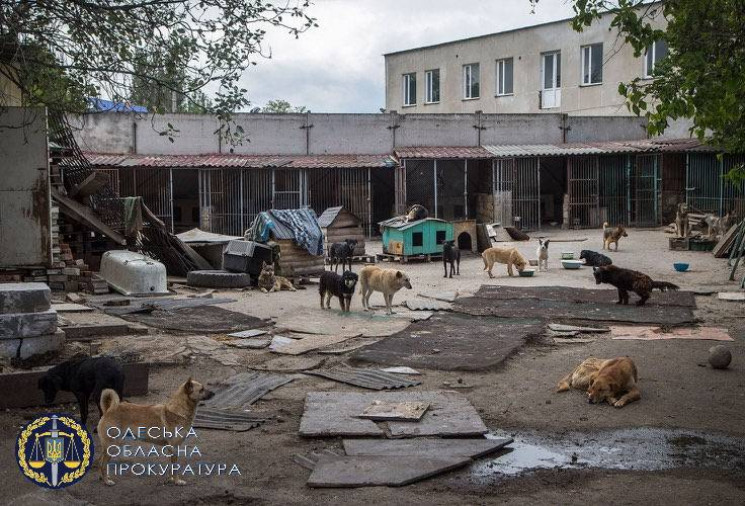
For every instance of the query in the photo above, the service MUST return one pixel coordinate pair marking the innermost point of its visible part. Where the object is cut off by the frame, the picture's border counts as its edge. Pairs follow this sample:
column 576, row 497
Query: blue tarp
column 100, row 104
column 299, row 225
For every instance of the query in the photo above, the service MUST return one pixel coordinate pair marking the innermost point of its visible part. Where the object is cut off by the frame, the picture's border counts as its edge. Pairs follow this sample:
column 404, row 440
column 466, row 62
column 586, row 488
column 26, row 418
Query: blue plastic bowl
column 681, row 267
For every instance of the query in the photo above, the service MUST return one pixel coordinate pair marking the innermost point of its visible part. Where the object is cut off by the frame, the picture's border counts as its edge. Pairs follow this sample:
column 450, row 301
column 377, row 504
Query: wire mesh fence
column 584, row 191
column 613, row 189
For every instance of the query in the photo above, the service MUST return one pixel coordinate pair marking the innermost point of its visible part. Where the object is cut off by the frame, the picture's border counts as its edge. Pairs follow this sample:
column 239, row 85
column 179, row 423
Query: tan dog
column 387, row 281
column 119, row 417
column 268, row 282
column 612, row 235
column 612, row 381
column 509, row 256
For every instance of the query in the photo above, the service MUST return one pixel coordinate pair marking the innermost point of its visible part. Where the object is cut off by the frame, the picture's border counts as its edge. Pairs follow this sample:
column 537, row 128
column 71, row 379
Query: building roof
column 599, row 148
column 241, row 161
column 400, row 223
column 443, row 152
column 330, row 214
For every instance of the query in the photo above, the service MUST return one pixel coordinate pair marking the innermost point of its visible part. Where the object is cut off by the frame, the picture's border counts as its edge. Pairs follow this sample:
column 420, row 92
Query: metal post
column 493, row 191
column 539, row 194
column 369, row 202
column 170, row 190
column 628, row 189
column 273, row 189
column 721, row 185
column 435, row 185
column 655, row 166
column 465, row 188
column 688, row 177
column 240, row 208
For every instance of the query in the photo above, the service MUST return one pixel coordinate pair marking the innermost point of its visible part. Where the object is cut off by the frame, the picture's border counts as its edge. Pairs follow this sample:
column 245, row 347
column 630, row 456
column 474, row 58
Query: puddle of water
column 631, row 449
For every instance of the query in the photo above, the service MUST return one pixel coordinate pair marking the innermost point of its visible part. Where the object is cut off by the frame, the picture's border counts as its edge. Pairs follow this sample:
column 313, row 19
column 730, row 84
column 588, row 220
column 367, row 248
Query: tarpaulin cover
column 299, row 225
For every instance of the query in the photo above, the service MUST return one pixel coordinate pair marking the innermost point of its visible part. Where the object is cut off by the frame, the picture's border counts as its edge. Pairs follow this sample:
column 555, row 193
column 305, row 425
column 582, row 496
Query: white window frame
column 653, row 48
column 429, row 88
column 586, row 60
column 406, row 84
column 468, row 81
column 500, row 77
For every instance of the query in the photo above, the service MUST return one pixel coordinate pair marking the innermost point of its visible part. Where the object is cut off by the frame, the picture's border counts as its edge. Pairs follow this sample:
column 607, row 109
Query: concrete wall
column 298, row 134
column 25, row 209
column 525, row 46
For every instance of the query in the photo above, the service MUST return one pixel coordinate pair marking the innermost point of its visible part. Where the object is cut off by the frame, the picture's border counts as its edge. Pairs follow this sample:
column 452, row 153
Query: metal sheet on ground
column 578, row 295
column 220, row 419
column 344, row 324
column 569, row 310
column 381, row 411
column 371, row 471
column 335, row 414
column 245, row 388
column 373, row 379
column 425, row 447
column 306, row 344
column 452, row 342
column 203, row 319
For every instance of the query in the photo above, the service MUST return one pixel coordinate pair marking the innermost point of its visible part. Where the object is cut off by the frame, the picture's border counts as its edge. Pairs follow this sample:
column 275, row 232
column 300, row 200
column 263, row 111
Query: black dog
column 626, row 280
column 594, row 259
column 450, row 255
column 83, row 376
column 343, row 251
column 332, row 284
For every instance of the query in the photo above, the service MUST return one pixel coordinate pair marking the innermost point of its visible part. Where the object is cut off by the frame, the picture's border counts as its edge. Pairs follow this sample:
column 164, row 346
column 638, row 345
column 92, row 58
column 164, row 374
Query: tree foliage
column 280, row 106
column 703, row 76
column 59, row 52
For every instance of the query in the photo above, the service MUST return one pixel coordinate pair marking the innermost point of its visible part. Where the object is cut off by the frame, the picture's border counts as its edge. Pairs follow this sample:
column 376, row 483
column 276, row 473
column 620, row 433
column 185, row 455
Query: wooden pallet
column 388, row 257
column 358, row 259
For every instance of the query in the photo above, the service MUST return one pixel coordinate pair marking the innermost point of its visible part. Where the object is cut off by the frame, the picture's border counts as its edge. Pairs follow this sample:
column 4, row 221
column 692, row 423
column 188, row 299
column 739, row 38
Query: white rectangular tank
column 133, row 274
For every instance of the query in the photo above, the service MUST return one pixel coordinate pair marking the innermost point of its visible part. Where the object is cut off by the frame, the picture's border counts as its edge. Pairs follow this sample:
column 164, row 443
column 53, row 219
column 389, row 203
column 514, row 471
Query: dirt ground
column 679, row 393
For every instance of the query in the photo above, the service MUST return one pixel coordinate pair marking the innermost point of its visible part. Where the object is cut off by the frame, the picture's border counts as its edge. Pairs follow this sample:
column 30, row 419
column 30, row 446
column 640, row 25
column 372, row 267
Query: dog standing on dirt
column 612, row 235
column 269, row 282
column 509, row 256
column 451, row 255
column 594, row 259
column 177, row 412
column 626, row 280
column 387, row 281
column 333, row 285
column 612, row 381
column 542, row 254
column 682, row 225
column 342, row 251
column 85, row 377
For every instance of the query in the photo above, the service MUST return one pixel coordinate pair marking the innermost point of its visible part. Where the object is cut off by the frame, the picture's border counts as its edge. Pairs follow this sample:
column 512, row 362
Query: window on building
column 471, row 81
column 592, row 64
column 409, row 89
column 417, row 239
column 655, row 53
column 504, row 76
column 440, row 237
column 432, row 86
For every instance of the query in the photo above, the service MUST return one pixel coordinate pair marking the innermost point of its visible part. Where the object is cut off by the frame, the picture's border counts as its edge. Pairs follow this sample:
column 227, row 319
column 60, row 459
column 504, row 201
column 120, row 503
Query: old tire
column 218, row 279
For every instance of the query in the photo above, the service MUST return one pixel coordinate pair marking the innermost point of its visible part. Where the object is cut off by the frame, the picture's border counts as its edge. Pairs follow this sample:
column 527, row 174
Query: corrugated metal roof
column 599, row 148
column 245, row 388
column 241, row 161
column 330, row 214
column 441, row 152
column 373, row 379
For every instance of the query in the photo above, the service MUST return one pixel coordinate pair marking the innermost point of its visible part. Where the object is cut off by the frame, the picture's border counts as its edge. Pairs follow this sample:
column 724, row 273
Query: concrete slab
column 367, row 324
column 82, row 326
column 442, row 296
column 71, row 308
column 381, row 411
column 26, row 347
column 24, row 298
column 558, row 327
column 288, row 363
column 427, row 305
column 731, row 296
column 248, row 333
column 425, row 447
column 335, row 414
column 17, row 325
column 372, row 471
column 306, row 344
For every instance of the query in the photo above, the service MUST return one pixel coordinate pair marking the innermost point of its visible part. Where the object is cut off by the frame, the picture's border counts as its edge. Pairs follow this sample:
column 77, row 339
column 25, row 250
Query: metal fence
column 708, row 190
column 420, row 184
column 613, row 183
column 154, row 185
column 584, row 191
column 346, row 187
column 645, row 191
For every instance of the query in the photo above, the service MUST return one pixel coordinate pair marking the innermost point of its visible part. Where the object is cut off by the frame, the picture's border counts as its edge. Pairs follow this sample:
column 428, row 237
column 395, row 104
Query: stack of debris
column 28, row 325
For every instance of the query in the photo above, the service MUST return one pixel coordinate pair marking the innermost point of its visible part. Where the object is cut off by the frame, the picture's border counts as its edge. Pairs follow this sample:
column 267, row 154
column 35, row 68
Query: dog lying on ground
column 177, row 412
column 84, row 377
column 342, row 251
column 268, row 282
column 333, row 285
column 451, row 255
column 387, row 281
column 542, row 254
column 509, row 256
column 612, row 381
column 612, row 235
column 594, row 259
column 416, row 212
column 626, row 280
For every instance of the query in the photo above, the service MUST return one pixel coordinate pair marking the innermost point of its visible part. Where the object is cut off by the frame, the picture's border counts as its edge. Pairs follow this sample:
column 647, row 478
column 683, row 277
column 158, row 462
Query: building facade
column 542, row 68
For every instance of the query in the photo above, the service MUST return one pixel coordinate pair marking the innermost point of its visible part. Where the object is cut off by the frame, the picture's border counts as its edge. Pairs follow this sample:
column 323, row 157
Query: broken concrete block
column 27, row 347
column 24, row 298
column 19, row 325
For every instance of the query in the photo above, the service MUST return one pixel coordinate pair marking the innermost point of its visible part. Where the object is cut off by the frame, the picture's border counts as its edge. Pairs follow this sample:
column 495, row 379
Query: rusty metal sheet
column 373, row 379
column 245, row 388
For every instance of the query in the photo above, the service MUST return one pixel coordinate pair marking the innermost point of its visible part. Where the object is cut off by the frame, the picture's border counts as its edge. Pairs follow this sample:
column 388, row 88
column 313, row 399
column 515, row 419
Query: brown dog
column 509, row 256
column 612, row 235
column 375, row 279
column 120, row 417
column 612, row 381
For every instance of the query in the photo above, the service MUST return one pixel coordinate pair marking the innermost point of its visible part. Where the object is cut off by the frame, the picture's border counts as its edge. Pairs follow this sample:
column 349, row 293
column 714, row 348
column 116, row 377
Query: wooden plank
column 20, row 389
column 81, row 213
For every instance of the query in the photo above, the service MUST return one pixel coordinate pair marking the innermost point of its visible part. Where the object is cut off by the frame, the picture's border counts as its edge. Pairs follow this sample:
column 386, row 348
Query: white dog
column 542, row 253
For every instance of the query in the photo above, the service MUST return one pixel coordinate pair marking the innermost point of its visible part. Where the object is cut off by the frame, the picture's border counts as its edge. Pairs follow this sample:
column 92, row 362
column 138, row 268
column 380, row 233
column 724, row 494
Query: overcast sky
column 339, row 66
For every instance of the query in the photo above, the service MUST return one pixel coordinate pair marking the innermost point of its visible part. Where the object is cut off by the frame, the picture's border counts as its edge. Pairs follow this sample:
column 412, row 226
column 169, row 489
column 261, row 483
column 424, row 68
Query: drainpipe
column 369, row 202
column 308, row 125
column 628, row 190
column 134, row 137
column 479, row 127
column 465, row 189
column 393, row 127
column 435, row 185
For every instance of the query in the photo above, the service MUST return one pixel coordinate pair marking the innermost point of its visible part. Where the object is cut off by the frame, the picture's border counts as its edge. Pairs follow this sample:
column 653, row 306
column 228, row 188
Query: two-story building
column 542, row 68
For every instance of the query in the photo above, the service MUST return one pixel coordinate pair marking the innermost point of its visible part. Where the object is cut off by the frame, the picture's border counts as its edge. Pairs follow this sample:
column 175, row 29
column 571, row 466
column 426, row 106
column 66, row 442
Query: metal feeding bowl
column 526, row 273
column 567, row 255
column 681, row 266
column 572, row 264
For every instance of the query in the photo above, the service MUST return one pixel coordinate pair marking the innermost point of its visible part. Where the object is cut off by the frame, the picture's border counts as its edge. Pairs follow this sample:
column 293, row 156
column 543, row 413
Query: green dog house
column 421, row 238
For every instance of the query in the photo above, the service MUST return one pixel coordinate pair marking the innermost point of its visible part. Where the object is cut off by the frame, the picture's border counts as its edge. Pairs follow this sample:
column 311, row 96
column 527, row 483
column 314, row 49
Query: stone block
column 18, row 325
column 24, row 298
column 27, row 347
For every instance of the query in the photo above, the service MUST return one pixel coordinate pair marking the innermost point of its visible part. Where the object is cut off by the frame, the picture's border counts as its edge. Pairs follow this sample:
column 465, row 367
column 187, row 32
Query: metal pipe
column 721, row 185
column 628, row 189
column 465, row 187
column 435, row 185
column 538, row 171
column 369, row 202
column 170, row 184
